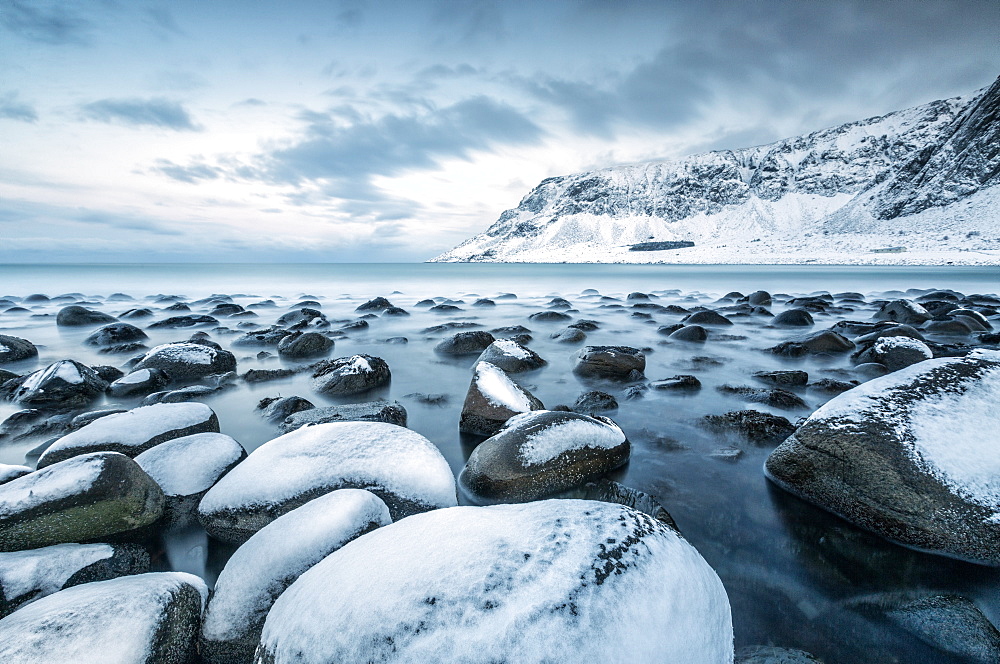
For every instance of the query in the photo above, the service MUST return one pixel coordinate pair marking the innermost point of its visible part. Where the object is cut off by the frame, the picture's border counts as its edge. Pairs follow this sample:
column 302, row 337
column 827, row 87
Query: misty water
column 790, row 569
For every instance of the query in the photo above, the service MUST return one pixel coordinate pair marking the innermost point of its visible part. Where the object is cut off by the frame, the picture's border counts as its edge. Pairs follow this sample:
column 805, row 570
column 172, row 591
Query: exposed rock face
column 861, row 177
column 13, row 349
column 904, row 456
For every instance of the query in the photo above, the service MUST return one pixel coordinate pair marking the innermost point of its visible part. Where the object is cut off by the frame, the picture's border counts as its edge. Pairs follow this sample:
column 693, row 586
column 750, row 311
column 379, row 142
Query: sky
column 348, row 131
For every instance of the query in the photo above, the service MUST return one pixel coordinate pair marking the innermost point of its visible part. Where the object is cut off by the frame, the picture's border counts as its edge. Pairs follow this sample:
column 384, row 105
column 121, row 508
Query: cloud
column 12, row 109
column 191, row 174
column 155, row 112
column 54, row 25
column 163, row 23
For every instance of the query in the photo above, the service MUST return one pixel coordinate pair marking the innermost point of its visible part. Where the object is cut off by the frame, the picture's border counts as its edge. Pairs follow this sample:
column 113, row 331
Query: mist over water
column 789, row 567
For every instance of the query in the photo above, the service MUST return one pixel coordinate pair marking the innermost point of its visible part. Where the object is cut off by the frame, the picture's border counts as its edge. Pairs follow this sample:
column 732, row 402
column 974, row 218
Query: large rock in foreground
column 541, row 453
column 141, row 619
column 188, row 361
column 911, row 456
column 272, row 559
column 492, row 399
column 557, row 581
column 83, row 498
column 133, row 431
column 400, row 466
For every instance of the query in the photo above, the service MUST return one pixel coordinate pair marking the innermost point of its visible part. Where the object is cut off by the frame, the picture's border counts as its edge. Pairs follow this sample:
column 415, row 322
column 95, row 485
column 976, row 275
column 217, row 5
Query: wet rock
column 667, row 330
column 14, row 349
column 783, row 378
column 550, row 316
column 141, row 618
column 511, row 356
column 595, row 401
column 707, row 318
column 773, row 655
column 871, row 370
column 585, row 325
column 378, row 304
column 300, row 345
column 680, row 383
column 400, row 466
column 570, row 335
column 890, row 330
column 609, row 361
column 793, row 318
column 757, row 427
column 895, row 353
column 264, row 375
column 267, row 338
column 391, row 412
column 465, row 343
column 832, row 386
column 759, row 299
column 187, row 361
column 774, row 397
column 493, row 398
column 75, row 315
column 690, row 334
column 484, row 302
column 61, row 385
column 26, row 576
column 303, row 318
column 83, row 498
column 350, row 375
column 183, row 321
column 542, row 453
column 444, row 308
column 276, row 409
column 826, row 341
column 139, row 383
column 952, row 327
column 902, row 311
column 609, row 491
column 903, row 456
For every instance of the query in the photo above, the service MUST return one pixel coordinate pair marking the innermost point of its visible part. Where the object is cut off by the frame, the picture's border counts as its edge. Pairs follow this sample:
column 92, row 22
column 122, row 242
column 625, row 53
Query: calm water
column 790, row 569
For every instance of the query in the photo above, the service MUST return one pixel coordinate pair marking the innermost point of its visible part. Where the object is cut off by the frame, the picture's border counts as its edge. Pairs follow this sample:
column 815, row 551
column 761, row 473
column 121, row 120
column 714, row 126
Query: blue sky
column 391, row 131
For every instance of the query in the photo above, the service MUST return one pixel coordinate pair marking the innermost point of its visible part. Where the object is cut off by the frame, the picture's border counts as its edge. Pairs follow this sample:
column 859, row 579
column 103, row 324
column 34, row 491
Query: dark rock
column 378, row 304
column 707, row 317
column 61, row 385
column 184, row 321
column 585, row 325
column 396, row 311
column 757, row 427
column 268, row 338
column 484, row 302
column 118, row 349
column 350, row 375
column 793, row 318
column 511, row 356
column 595, row 401
column 773, row 655
column 895, row 353
column 75, row 315
column 391, row 412
column 304, row 344
column 139, row 383
column 303, row 318
column 759, row 299
column 492, row 399
column 902, row 311
column 465, row 343
column 783, row 378
column 825, row 341
column 667, row 330
column 569, row 336
column 550, row 316
column 832, row 386
column 889, row 330
column 609, row 361
column 188, row 361
column 952, row 327
column 445, row 308
column 690, row 334
column 774, row 397
column 14, row 349
column 276, row 409
column 264, row 375
column 682, row 383
column 107, row 373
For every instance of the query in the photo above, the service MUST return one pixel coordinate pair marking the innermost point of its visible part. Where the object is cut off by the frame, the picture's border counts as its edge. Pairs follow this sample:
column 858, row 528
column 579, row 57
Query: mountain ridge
column 826, row 196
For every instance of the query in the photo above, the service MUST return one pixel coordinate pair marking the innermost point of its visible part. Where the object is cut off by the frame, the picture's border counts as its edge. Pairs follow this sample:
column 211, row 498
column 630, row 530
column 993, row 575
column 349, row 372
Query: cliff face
column 847, row 179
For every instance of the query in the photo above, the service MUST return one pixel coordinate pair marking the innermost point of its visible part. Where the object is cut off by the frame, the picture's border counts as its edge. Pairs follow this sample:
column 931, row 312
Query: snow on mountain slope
column 921, row 179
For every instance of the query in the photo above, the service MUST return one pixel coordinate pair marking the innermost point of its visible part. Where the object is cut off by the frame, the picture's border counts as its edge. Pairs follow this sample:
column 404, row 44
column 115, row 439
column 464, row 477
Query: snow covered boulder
column 141, row 619
column 13, row 349
column 83, row 498
column 902, row 311
column 492, row 399
column 263, row 567
column 64, row 384
column 115, row 334
column 10, row 472
column 542, row 453
column 400, row 466
column 510, row 356
column 557, row 581
column 609, row 361
column 391, row 412
column 139, row 383
column 910, row 456
column 26, row 576
column 895, row 352
column 75, row 315
column 186, row 468
column 350, row 375
column 465, row 343
column 133, row 431
column 187, row 361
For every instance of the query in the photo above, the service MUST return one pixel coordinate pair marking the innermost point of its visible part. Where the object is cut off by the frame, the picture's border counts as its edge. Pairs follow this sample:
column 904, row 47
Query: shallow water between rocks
column 789, row 568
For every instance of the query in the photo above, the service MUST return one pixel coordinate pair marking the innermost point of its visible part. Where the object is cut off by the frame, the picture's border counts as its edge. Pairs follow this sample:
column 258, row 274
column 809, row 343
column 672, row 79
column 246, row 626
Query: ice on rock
column 264, row 566
column 400, row 466
column 191, row 464
column 552, row 581
column 129, row 620
column 134, row 431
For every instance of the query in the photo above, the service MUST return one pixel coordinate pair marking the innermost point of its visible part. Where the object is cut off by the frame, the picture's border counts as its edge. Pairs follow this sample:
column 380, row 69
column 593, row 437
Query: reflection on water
column 791, row 570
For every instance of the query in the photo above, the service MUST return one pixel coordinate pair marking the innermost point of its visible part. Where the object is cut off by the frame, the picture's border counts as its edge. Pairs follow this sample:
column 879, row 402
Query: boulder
column 400, row 466
column 391, row 412
column 142, row 619
column 75, row 315
column 774, row 655
column 595, row 401
column 570, row 335
column 902, row 311
column 14, row 349
column 183, row 321
column 378, row 304
column 757, row 427
column 793, row 318
column 465, row 343
column 895, row 353
column 115, row 334
column 276, row 409
column 492, row 399
column 350, row 375
column 272, row 559
column 682, row 383
column 609, row 361
column 133, row 431
column 707, row 317
column 511, row 357
column 64, row 384
column 139, row 383
column 783, row 378
column 550, row 316
column 825, row 341
column 542, row 453
column 690, row 333
column 904, row 456
column 759, row 299
column 774, row 397
column 952, row 327
column 266, row 338
column 187, row 361
column 10, row 472
column 304, row 344
column 86, row 497
column 556, row 581
column 26, row 576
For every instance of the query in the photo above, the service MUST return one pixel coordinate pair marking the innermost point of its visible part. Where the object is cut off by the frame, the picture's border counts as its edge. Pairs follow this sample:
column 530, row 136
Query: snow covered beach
column 751, row 553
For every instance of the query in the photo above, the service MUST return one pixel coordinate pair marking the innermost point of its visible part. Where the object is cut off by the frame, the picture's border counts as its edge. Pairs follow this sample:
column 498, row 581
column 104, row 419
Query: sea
column 797, row 576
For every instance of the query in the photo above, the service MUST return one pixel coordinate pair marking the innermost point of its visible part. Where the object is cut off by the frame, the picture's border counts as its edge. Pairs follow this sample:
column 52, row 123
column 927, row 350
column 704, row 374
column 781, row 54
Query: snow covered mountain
column 914, row 186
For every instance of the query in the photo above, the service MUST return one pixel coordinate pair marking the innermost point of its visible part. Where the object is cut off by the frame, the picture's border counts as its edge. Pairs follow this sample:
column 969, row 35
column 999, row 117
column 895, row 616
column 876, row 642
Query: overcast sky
column 329, row 131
